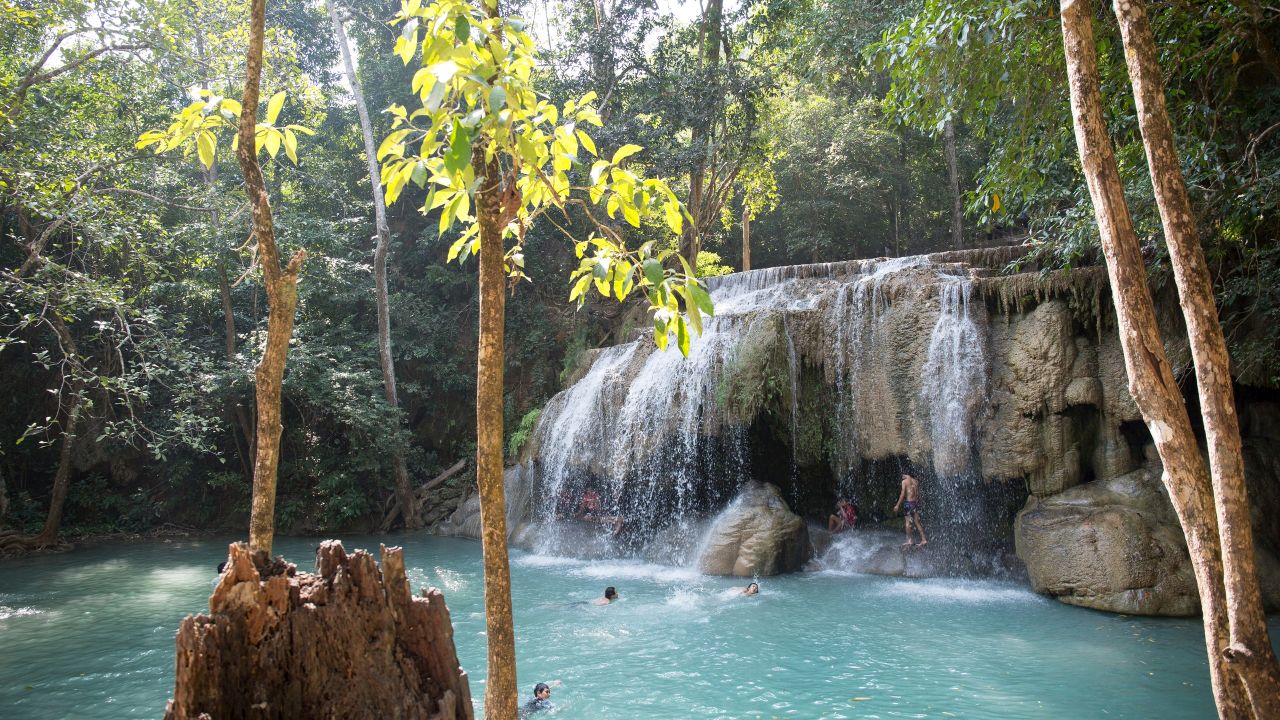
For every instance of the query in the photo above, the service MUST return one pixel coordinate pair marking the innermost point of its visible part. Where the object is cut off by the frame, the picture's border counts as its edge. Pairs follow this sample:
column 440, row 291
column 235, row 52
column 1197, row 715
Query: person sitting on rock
column 845, row 517
column 589, row 508
column 610, row 594
column 565, row 504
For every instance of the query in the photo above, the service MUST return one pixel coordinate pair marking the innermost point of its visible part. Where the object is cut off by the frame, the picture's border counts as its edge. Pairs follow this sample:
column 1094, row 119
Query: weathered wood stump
column 347, row 642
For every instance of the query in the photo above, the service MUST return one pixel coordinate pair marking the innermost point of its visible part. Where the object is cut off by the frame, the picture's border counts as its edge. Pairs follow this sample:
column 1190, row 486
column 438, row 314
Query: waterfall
column 663, row 439
column 793, row 377
column 956, row 369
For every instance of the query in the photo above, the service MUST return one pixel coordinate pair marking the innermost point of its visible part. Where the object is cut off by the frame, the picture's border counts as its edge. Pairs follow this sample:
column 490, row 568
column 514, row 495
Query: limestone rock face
column 1109, row 545
column 756, row 535
column 465, row 521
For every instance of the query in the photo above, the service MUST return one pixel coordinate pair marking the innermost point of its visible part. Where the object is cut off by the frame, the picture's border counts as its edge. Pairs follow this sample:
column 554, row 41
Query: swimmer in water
column 610, row 594
column 541, row 699
column 752, row 589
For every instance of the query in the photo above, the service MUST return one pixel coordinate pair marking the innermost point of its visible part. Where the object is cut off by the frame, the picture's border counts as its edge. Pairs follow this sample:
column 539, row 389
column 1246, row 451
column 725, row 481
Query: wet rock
column 465, row 521
column 1109, row 545
column 756, row 535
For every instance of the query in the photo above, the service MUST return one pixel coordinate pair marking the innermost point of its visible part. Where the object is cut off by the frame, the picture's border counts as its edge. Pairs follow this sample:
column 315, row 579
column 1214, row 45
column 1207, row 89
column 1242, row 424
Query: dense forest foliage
column 133, row 312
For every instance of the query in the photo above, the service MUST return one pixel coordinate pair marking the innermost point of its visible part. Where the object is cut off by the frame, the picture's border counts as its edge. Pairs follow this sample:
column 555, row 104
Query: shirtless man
column 909, row 501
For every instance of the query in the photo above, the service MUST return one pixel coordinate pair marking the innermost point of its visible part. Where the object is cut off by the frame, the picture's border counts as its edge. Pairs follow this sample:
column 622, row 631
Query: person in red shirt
column 845, row 517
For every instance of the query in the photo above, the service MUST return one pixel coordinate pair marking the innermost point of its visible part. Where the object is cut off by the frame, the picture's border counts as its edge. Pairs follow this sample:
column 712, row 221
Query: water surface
column 90, row 635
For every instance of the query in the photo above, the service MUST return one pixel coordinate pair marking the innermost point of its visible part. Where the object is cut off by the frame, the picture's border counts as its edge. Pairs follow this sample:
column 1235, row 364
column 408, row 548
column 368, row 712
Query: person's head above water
column 542, row 691
column 751, row 589
column 610, row 593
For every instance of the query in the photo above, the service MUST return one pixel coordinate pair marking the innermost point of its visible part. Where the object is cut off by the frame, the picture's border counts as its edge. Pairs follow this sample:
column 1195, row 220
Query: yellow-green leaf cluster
column 198, row 125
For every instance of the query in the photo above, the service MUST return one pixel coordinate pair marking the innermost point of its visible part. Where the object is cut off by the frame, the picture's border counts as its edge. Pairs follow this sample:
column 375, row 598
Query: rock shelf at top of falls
column 996, row 390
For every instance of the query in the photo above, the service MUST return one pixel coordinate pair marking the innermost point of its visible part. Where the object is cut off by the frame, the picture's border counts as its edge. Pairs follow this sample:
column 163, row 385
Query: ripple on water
column 958, row 591
column 13, row 612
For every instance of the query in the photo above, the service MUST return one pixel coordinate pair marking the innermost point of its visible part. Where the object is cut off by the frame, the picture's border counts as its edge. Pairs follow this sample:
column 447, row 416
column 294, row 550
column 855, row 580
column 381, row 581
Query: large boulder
column 756, row 535
column 1109, row 545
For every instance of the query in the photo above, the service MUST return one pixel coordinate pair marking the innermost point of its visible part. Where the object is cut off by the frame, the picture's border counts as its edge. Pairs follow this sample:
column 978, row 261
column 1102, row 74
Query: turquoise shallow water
column 90, row 635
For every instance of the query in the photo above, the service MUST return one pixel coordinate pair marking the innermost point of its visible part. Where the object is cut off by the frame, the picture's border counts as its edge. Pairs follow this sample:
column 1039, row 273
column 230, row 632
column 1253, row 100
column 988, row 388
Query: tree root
column 13, row 544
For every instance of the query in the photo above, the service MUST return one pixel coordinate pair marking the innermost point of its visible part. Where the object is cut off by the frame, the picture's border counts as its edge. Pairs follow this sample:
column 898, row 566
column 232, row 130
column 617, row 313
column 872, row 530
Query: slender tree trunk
column 282, row 298
column 238, row 414
column 1262, row 41
column 746, row 240
column 953, row 179
column 500, row 694
column 62, row 476
column 1151, row 379
column 1250, row 654
column 404, row 489
column 712, row 38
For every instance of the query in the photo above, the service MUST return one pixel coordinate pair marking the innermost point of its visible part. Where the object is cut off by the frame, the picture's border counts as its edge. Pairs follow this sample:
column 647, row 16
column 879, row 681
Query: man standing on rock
column 909, row 501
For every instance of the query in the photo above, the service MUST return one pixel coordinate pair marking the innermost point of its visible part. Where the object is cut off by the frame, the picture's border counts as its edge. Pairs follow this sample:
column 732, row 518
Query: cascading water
column 957, row 369
column 664, row 440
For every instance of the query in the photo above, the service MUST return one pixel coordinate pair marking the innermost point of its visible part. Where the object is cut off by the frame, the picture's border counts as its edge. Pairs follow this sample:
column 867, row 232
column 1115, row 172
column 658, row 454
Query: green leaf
column 597, row 169
column 682, row 335
column 291, row 145
column 444, row 71
column 625, row 152
column 653, row 271
column 631, row 214
column 587, row 143
column 462, row 30
column 272, row 142
column 274, row 106
column 206, row 146
column 458, row 156
column 691, row 309
column 660, row 332
column 702, row 299
column 497, row 98
column 579, row 289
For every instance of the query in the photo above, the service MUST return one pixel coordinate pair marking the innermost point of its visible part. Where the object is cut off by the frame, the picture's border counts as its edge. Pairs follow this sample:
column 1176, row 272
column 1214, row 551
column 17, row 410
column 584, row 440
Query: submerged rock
column 1109, row 545
column 756, row 535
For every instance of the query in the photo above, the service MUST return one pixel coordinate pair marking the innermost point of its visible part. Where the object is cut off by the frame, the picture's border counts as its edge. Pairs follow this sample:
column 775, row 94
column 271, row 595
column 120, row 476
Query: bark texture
column 404, row 489
column 1151, row 380
column 1249, row 654
column 500, row 693
column 282, row 298
column 746, row 240
column 347, row 642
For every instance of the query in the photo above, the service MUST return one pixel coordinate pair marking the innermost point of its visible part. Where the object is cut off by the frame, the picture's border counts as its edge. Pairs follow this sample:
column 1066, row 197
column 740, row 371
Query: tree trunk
column 1151, row 379
column 404, row 490
column 1250, row 654
column 349, row 641
column 1262, row 41
column 746, row 240
column 500, row 694
column 709, row 52
column 953, row 179
column 62, row 476
column 282, row 299
column 236, row 410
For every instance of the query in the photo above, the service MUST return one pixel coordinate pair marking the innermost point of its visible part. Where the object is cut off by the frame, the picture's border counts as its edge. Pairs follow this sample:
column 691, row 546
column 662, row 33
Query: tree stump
column 347, row 642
